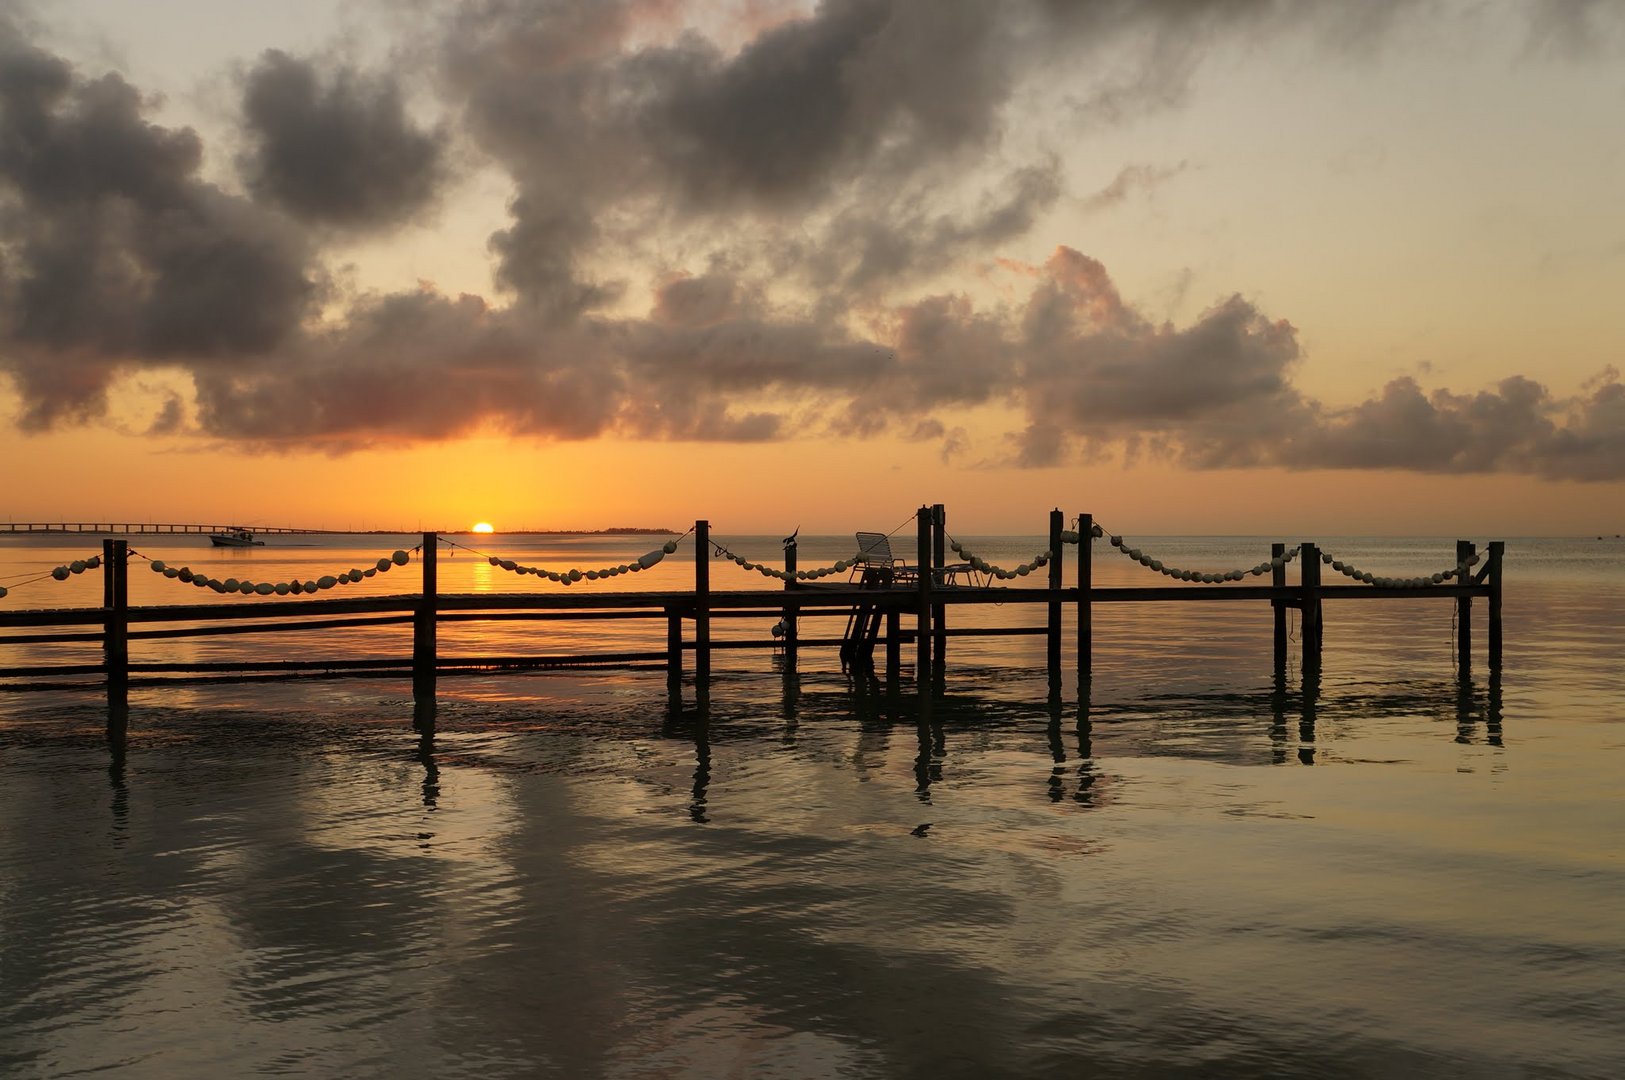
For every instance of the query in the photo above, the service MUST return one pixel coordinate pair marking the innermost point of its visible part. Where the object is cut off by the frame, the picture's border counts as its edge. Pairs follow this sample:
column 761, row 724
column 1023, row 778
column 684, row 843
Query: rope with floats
column 1460, row 570
column 1203, row 577
column 646, row 561
column 840, row 566
column 60, row 573
column 185, row 575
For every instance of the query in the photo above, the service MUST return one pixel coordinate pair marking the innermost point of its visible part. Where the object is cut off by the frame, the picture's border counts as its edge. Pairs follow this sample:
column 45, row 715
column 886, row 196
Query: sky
column 1193, row 266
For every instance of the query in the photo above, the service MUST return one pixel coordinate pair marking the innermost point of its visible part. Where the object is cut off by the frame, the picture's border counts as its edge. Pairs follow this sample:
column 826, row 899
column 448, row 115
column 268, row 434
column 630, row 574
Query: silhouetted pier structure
column 913, row 610
column 143, row 528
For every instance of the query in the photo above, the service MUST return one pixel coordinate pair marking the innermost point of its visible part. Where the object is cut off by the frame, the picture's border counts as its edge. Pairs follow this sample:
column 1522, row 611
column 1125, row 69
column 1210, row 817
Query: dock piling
column 425, row 623
column 1279, row 606
column 702, row 604
column 922, row 552
column 1053, row 627
column 939, row 612
column 1086, row 620
column 1493, row 567
column 789, row 616
column 674, row 648
column 1309, row 577
column 1465, row 550
column 116, row 626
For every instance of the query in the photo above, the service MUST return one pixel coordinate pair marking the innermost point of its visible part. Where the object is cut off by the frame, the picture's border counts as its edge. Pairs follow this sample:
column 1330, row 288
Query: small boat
column 235, row 538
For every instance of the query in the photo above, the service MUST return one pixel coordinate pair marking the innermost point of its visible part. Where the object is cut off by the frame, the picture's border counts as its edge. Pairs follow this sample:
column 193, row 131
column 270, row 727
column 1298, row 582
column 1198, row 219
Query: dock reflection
column 1304, row 720
column 693, row 723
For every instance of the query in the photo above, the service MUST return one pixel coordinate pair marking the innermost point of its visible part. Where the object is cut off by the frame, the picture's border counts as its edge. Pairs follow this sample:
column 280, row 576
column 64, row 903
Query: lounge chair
column 875, row 555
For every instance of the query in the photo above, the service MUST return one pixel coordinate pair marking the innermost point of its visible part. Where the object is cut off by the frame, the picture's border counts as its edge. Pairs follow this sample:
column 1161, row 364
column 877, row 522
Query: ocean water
column 1396, row 869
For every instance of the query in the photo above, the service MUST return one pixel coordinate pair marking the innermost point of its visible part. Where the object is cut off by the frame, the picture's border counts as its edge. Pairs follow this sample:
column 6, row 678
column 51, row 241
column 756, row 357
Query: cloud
column 335, row 148
column 113, row 252
column 1132, row 179
column 854, row 148
column 797, row 199
column 1575, row 29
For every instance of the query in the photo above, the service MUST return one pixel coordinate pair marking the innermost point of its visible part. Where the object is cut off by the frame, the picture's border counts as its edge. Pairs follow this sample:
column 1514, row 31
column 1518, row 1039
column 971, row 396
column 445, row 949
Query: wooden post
column 1497, row 554
column 1278, row 580
column 1465, row 549
column 702, row 604
column 939, row 621
column 116, row 627
column 1053, row 637
column 894, row 645
column 425, row 622
column 922, row 563
column 107, row 573
column 789, row 615
column 1309, row 576
column 674, row 648
column 1086, row 584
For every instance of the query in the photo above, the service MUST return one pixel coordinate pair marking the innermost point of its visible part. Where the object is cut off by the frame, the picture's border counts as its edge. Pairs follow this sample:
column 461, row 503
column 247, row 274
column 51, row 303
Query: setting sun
column 484, row 527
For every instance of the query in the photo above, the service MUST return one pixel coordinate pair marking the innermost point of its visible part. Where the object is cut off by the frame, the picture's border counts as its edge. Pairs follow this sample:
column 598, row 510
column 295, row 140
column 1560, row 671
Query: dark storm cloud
column 335, row 148
column 826, row 149
column 814, row 101
column 113, row 252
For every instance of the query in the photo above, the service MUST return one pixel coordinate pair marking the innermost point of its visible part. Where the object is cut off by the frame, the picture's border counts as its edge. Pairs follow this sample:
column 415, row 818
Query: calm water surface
column 1388, row 872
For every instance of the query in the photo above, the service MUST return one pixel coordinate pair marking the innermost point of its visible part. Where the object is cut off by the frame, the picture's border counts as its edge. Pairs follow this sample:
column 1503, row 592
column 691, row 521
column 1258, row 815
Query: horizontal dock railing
column 914, row 610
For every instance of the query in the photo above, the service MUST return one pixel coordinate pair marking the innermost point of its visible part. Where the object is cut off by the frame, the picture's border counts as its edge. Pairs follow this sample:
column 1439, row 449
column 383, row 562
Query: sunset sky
column 1230, row 266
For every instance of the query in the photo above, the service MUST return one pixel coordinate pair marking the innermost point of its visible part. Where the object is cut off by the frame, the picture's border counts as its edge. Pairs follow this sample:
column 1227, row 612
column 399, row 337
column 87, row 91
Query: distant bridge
column 133, row 528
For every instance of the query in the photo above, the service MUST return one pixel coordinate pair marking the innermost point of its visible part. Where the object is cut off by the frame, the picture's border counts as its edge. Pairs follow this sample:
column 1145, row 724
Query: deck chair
column 874, row 553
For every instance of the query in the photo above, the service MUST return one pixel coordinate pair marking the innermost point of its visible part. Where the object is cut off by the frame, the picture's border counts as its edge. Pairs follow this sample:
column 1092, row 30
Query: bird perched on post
column 788, row 540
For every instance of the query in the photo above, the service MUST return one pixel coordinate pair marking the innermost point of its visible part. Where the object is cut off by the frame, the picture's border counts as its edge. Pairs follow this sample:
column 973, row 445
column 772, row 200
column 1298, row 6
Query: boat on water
column 235, row 538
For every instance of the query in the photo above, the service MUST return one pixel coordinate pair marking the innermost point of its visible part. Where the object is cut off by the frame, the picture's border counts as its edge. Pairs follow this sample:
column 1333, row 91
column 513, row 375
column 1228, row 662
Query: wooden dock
column 915, row 613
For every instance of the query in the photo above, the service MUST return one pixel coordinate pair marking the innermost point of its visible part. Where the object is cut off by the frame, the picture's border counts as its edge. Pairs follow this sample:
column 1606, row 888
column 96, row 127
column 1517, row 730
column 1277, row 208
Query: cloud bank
column 736, row 233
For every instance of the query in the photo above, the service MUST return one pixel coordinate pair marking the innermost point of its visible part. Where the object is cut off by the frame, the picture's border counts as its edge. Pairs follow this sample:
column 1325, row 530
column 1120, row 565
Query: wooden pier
column 917, row 610
column 148, row 528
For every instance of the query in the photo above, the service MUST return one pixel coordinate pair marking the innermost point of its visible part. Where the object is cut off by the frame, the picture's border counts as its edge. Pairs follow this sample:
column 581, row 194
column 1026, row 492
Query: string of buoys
column 187, row 576
column 645, row 561
column 1202, row 577
column 840, row 566
column 1460, row 571
column 982, row 566
column 1341, row 566
column 60, row 573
